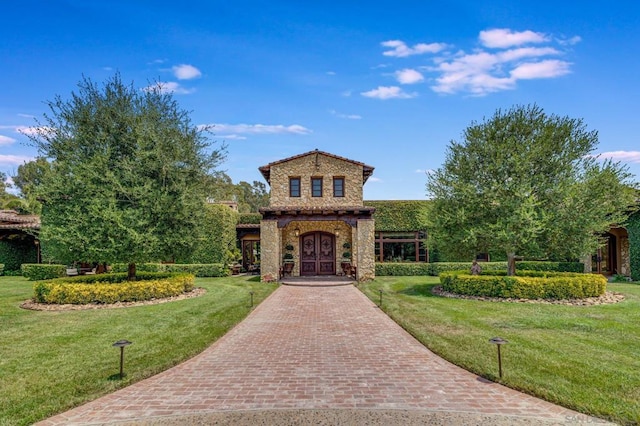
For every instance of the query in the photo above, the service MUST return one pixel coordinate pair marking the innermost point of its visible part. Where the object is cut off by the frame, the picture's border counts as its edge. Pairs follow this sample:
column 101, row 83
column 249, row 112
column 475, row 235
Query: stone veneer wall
column 365, row 249
column 305, row 168
column 625, row 258
column 270, row 250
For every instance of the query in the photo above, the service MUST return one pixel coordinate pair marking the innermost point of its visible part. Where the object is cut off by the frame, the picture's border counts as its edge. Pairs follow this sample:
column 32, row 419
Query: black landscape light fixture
column 121, row 344
column 380, row 304
column 251, row 293
column 499, row 341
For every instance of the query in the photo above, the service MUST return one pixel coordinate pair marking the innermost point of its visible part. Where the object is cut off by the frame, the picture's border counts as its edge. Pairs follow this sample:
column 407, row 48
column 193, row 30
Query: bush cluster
column 15, row 252
column 111, row 288
column 42, row 271
column 525, row 285
column 434, row 269
column 197, row 269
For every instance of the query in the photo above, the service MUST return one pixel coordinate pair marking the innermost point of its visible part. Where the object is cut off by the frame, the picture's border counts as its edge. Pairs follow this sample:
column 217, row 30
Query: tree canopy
column 526, row 183
column 127, row 177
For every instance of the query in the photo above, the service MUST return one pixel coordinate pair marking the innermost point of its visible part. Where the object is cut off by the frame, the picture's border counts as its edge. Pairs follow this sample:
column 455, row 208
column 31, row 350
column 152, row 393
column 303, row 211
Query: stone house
column 316, row 221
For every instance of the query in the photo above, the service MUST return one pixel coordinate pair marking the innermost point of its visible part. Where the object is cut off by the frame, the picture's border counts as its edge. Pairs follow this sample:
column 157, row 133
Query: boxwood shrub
column 111, row 288
column 197, row 269
column 42, row 271
column 525, row 285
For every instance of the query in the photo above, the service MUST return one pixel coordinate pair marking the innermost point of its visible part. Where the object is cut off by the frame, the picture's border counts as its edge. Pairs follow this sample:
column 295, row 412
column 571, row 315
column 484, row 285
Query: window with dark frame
column 401, row 247
column 338, row 187
column 316, row 187
column 294, row 187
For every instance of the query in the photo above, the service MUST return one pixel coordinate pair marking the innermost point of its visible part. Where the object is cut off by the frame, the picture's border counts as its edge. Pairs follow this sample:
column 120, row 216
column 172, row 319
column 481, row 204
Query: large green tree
column 127, row 177
column 28, row 177
column 526, row 183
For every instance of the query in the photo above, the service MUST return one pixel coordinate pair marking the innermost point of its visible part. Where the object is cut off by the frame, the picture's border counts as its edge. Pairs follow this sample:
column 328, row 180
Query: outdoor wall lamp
column 337, row 232
column 296, row 232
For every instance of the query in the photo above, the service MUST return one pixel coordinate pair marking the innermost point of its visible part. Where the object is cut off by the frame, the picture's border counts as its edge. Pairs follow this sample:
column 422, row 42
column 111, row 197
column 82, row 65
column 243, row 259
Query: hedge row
column 525, row 285
column 434, row 269
column 633, row 228
column 42, row 271
column 401, row 215
column 83, row 290
column 197, row 269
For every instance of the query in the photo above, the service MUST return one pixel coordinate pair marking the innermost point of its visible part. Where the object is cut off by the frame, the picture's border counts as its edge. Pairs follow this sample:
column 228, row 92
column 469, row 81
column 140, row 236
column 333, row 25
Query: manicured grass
column 583, row 358
column 53, row 361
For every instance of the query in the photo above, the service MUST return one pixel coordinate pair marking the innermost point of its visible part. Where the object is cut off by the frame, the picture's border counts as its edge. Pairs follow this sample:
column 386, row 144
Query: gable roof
column 266, row 170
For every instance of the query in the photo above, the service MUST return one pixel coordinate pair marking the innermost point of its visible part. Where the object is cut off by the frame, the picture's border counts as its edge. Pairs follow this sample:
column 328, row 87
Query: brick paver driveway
column 316, row 348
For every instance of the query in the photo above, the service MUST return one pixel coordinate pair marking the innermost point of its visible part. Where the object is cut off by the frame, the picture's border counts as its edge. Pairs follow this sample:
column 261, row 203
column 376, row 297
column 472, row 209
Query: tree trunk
column 511, row 264
column 131, row 272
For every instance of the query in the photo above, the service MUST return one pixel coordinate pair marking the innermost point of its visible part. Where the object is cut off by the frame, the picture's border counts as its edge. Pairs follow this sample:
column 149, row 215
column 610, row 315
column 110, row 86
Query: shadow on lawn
column 423, row 290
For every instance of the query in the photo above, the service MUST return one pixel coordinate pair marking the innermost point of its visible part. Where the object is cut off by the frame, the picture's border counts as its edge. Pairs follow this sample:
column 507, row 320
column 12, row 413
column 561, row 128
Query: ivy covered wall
column 16, row 250
column 217, row 238
column 633, row 228
column 395, row 216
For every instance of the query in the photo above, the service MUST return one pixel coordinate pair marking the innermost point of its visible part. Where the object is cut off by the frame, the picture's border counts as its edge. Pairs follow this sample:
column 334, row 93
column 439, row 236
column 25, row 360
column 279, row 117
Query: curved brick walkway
column 326, row 351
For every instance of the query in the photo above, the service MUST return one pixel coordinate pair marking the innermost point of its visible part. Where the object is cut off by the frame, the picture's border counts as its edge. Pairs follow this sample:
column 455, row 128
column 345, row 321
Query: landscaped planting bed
column 525, row 285
column 112, row 288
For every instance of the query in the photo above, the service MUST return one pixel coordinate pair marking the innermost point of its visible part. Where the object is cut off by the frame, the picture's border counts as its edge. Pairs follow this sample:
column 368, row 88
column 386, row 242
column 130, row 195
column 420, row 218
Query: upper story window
column 338, row 187
column 316, row 187
column 294, row 187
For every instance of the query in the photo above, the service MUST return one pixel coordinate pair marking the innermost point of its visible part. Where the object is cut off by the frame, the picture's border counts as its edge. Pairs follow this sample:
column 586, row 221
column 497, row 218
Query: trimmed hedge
column 111, row 288
column 525, row 285
column 42, row 271
column 633, row 228
column 403, row 269
column 197, row 269
column 434, row 269
column 250, row 218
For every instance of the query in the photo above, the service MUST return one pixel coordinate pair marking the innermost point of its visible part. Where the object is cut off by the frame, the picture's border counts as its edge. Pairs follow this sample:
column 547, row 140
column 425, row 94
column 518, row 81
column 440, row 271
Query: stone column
column 365, row 242
column 270, row 247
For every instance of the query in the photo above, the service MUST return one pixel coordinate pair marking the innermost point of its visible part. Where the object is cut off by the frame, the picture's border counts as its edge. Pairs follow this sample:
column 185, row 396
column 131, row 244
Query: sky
column 389, row 84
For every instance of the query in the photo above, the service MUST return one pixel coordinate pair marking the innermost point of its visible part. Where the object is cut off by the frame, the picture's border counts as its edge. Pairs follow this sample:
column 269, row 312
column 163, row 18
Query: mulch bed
column 608, row 298
column 30, row 304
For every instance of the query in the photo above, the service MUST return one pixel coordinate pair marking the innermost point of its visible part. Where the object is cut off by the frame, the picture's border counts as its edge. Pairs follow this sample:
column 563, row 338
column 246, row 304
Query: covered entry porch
column 317, row 242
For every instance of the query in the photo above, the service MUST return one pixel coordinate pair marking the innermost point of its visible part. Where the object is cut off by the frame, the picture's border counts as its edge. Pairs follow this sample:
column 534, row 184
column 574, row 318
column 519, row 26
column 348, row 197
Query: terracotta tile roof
column 266, row 170
column 10, row 219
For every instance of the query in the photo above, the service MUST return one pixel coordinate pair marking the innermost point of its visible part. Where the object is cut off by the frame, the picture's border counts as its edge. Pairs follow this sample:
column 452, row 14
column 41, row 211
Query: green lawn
column 584, row 358
column 53, row 361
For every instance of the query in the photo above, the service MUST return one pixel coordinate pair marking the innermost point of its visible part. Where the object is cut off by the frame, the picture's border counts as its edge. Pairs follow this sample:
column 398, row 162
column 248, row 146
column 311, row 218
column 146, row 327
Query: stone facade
column 345, row 218
column 316, row 164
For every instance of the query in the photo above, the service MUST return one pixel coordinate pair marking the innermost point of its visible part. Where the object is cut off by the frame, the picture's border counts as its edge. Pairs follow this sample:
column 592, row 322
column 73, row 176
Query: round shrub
column 112, row 288
column 525, row 285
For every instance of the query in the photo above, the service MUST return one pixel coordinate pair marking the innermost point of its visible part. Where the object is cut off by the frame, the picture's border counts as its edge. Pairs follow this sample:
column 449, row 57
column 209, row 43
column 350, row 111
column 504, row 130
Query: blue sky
column 388, row 84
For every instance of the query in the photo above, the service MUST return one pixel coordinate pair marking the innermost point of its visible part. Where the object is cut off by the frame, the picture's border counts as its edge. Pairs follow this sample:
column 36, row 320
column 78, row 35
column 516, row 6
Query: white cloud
column 570, row 41
column 543, row 69
column 331, row 73
column 504, row 37
column 409, row 76
column 26, row 115
column 400, row 50
column 374, row 179
column 169, row 87
column 259, row 129
column 625, row 156
column 423, row 171
column 14, row 160
column 34, row 131
column 186, row 72
column 346, row 116
column 6, row 140
column 388, row 92
column 234, row 137
column 483, row 72
column 347, row 93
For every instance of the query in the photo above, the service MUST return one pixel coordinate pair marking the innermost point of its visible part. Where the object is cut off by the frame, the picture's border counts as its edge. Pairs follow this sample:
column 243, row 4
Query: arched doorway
column 317, row 254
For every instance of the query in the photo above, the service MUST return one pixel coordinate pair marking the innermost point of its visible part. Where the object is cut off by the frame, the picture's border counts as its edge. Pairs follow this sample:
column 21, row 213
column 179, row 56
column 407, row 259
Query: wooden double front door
column 317, row 254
